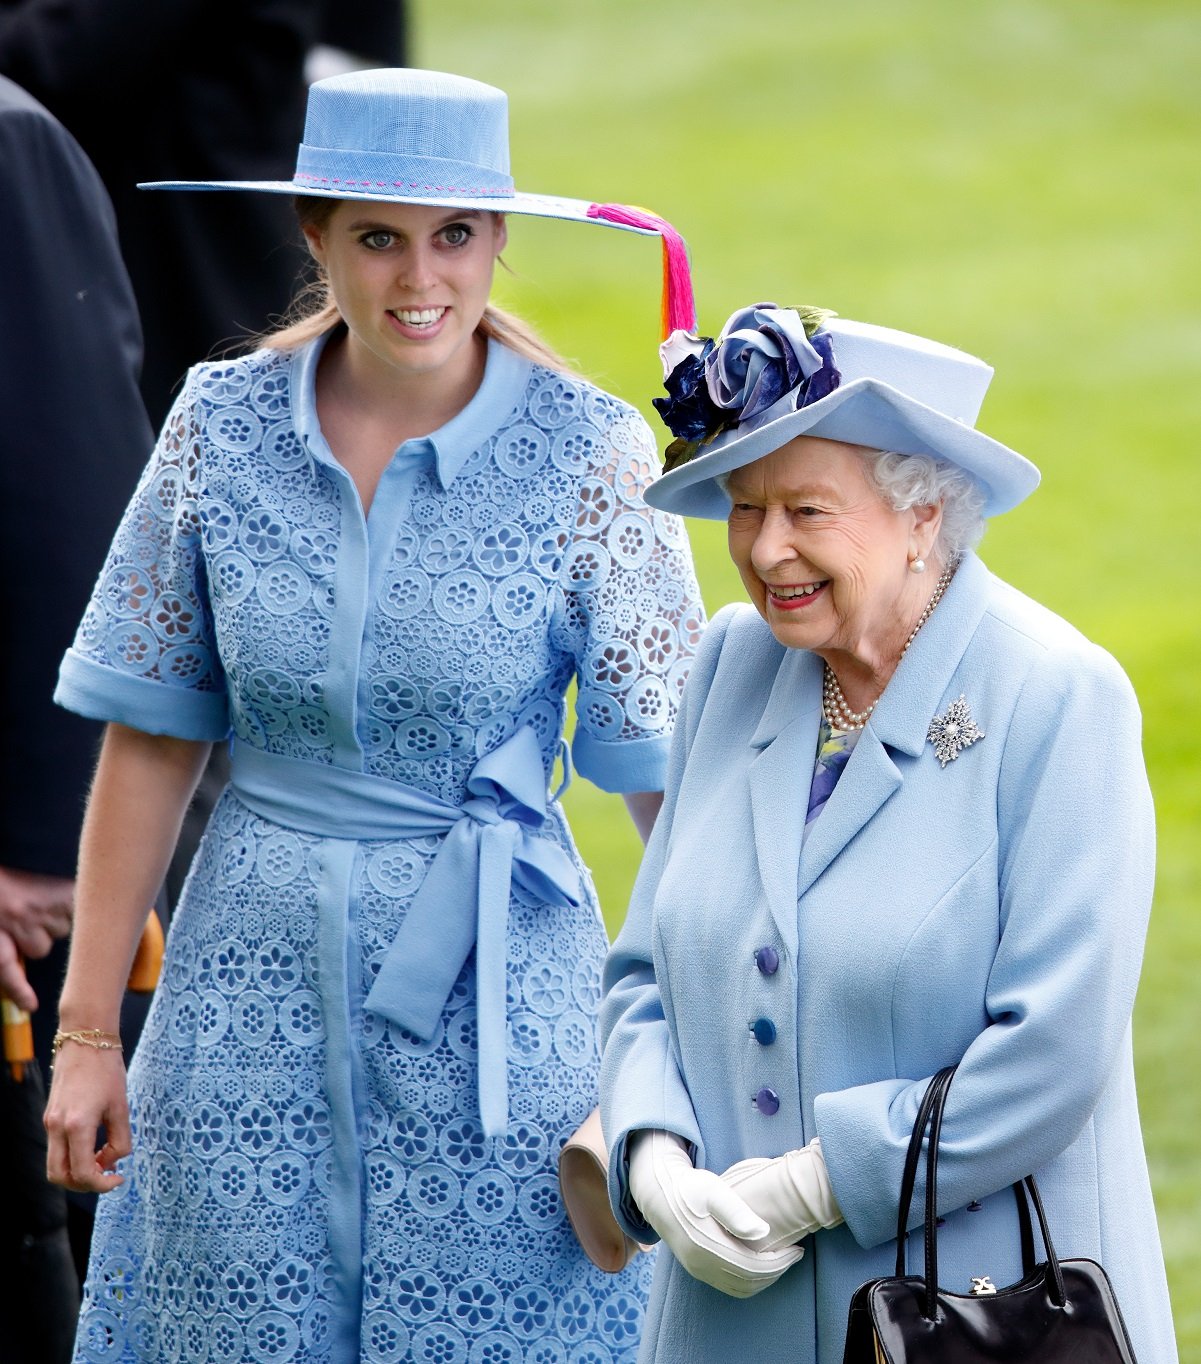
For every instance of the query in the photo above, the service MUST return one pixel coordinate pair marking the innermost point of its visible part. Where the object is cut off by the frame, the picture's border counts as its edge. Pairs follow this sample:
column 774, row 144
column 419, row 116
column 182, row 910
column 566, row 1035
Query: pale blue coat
column 991, row 913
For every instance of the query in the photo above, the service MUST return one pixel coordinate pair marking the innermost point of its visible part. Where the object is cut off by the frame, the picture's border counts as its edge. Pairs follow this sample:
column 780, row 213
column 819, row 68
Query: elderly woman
column 906, row 825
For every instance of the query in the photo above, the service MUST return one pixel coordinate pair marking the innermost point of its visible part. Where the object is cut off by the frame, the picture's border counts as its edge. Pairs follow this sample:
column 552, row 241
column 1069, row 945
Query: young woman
column 376, row 550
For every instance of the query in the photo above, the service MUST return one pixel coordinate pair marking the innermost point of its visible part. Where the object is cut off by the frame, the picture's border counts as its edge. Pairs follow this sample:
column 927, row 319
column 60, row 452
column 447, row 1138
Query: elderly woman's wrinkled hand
column 703, row 1222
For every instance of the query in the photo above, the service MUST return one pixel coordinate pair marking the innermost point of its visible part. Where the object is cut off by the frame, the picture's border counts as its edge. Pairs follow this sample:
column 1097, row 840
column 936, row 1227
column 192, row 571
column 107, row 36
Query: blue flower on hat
column 764, row 354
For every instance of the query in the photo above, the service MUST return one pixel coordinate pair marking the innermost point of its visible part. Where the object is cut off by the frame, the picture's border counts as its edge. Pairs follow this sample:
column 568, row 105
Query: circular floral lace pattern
column 217, row 1246
column 229, row 576
column 538, row 562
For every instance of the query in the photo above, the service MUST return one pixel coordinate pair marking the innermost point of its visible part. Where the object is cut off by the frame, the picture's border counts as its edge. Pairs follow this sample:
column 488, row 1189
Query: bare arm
column 644, row 807
column 142, row 788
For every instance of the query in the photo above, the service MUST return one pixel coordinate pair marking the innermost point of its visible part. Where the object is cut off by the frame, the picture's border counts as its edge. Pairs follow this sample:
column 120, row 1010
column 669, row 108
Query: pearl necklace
column 838, row 713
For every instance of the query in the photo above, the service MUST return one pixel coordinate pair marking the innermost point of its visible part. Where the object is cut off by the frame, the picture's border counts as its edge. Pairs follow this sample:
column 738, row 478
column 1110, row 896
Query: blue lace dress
column 312, row 1179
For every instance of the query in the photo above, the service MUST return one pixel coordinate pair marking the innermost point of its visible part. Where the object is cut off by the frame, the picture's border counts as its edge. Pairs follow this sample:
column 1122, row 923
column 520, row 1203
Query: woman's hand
column 702, row 1221
column 791, row 1193
column 87, row 1092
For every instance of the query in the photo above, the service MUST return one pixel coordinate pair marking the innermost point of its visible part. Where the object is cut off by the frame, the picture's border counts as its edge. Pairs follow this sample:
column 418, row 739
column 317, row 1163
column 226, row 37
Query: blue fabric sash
column 491, row 841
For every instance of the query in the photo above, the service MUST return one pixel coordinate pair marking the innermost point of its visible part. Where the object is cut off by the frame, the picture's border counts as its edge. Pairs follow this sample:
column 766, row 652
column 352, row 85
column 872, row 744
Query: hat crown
column 428, row 132
column 862, row 385
column 948, row 380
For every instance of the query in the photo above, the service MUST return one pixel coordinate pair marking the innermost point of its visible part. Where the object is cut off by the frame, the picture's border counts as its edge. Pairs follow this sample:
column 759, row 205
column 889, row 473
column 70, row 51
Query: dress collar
column 506, row 376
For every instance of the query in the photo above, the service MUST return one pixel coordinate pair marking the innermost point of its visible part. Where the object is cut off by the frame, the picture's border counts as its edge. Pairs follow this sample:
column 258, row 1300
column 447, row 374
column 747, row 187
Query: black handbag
column 1061, row 1312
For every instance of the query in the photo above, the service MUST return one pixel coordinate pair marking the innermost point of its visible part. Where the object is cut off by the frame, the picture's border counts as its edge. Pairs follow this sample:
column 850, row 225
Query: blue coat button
column 767, row 959
column 764, row 1030
column 767, row 1101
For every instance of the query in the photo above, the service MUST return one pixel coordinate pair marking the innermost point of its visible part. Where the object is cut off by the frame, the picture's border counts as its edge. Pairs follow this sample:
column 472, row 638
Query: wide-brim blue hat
column 772, row 376
column 405, row 136
column 401, row 135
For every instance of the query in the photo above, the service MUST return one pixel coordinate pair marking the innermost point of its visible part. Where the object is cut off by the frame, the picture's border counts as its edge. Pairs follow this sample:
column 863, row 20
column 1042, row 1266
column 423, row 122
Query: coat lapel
column 897, row 729
column 870, row 778
column 787, row 738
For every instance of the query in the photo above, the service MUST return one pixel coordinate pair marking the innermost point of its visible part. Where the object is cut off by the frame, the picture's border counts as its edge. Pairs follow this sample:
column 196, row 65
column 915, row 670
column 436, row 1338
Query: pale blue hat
column 777, row 373
column 401, row 135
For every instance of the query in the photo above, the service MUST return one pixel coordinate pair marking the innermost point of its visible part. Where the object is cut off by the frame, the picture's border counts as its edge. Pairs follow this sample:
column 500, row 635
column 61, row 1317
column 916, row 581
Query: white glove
column 702, row 1221
column 791, row 1193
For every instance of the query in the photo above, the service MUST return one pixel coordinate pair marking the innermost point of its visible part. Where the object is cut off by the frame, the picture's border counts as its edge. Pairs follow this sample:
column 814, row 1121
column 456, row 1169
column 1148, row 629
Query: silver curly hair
column 905, row 481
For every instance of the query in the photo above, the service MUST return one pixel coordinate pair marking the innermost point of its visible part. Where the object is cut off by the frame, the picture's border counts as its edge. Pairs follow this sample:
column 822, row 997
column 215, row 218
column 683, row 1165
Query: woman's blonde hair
column 314, row 311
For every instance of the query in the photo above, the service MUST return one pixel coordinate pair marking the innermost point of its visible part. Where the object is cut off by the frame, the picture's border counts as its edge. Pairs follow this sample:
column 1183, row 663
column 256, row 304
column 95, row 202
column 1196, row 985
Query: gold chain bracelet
column 96, row 1038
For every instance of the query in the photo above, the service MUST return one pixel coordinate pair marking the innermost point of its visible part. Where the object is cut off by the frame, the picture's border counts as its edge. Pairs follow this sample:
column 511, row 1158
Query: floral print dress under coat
column 310, row 1181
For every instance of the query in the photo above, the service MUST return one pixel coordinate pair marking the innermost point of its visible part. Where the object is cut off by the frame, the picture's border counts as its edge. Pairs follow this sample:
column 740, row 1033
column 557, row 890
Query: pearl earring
column 917, row 565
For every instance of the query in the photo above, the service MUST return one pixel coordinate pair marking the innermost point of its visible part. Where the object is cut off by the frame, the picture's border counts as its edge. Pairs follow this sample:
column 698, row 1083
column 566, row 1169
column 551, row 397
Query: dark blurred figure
column 359, row 33
column 73, row 438
column 191, row 89
column 171, row 89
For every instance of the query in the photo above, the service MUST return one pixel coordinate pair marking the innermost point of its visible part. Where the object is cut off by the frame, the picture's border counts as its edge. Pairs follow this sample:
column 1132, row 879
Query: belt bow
column 493, row 841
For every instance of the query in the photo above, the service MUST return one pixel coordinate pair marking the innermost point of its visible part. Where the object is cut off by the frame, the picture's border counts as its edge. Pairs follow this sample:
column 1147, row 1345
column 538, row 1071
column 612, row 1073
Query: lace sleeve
column 633, row 613
column 144, row 654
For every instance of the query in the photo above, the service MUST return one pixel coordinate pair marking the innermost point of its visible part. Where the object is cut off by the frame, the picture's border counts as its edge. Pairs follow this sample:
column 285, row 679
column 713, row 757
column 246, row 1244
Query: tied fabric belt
column 492, row 840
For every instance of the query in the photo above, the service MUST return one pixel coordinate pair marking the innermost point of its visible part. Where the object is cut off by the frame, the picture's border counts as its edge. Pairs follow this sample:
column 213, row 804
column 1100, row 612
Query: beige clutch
column 583, row 1176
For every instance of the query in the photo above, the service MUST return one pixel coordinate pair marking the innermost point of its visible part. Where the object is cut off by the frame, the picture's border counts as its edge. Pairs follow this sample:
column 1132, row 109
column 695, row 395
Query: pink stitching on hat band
column 471, row 191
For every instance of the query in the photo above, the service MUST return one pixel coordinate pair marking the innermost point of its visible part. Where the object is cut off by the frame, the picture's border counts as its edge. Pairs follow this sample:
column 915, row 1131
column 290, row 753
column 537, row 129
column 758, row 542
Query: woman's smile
column 419, row 318
column 795, row 597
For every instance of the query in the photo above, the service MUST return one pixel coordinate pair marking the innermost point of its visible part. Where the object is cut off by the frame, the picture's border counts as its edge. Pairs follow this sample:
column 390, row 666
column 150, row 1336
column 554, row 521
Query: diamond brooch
column 953, row 732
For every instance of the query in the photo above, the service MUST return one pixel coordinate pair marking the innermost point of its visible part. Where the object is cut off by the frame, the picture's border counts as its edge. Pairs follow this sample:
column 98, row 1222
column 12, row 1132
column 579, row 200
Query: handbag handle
column 937, row 1087
column 929, row 1114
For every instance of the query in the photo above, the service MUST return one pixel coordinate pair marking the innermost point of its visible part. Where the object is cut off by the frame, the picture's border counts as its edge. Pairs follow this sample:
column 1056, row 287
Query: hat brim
column 533, row 205
column 864, row 412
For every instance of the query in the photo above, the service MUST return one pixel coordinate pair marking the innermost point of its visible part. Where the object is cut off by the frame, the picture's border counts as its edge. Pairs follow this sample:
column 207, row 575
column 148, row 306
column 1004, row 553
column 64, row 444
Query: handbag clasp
column 983, row 1287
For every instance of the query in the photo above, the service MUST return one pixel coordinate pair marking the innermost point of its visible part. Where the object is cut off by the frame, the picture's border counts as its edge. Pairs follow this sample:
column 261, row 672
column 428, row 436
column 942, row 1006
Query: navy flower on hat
column 764, row 354
column 689, row 411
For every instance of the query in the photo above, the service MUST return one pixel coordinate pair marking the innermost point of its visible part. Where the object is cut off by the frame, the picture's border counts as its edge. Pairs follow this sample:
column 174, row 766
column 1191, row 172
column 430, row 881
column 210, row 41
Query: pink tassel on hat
column 679, row 306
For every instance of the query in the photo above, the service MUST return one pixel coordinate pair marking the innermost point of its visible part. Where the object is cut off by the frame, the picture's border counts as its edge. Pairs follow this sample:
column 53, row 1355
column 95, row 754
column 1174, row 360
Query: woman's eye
column 377, row 241
column 457, row 234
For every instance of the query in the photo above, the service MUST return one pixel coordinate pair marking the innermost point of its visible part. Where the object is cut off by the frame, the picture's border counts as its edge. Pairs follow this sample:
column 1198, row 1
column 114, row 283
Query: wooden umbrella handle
column 148, row 959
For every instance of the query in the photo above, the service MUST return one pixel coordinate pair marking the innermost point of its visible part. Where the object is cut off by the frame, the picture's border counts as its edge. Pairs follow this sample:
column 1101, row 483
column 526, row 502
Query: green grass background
column 1020, row 179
